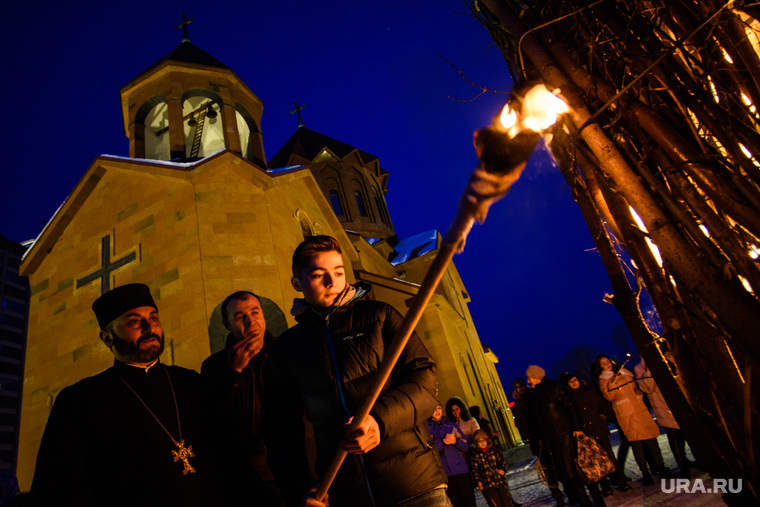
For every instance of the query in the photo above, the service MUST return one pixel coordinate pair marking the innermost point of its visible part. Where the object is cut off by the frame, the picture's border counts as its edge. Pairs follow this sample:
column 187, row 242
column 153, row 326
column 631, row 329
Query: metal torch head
column 512, row 136
column 501, row 154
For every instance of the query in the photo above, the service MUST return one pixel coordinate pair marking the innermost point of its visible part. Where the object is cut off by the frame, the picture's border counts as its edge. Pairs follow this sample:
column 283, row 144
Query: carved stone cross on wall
column 104, row 273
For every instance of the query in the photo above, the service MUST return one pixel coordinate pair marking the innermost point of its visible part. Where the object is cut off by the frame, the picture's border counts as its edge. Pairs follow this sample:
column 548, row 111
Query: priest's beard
column 132, row 353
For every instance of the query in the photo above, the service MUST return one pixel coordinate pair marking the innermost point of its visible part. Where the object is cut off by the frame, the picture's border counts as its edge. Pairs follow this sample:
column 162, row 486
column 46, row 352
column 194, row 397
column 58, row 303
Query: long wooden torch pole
column 488, row 183
column 433, row 276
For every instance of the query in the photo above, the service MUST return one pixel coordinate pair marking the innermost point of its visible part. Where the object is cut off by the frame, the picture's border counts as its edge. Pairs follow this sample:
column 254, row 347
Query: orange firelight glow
column 539, row 110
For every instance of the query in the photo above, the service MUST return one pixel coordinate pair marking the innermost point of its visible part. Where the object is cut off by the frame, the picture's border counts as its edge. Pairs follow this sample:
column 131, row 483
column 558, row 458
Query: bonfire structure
column 662, row 152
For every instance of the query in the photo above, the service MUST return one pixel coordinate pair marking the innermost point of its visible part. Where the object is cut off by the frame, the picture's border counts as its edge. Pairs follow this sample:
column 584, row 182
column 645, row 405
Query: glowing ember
column 538, row 111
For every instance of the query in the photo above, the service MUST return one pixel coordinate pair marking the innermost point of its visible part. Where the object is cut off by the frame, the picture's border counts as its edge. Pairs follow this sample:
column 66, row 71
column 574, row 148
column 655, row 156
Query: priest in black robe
column 135, row 434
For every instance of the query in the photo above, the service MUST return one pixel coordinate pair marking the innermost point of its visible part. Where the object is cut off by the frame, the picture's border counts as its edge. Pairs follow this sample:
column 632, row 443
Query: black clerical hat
column 113, row 303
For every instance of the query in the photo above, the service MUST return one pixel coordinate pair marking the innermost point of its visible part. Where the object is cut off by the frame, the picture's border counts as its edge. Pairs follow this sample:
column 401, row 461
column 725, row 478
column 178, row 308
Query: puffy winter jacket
column 299, row 376
column 632, row 414
column 451, row 454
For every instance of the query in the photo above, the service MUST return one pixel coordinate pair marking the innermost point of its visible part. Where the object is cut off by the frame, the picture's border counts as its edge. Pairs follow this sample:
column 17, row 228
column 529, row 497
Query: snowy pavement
column 527, row 488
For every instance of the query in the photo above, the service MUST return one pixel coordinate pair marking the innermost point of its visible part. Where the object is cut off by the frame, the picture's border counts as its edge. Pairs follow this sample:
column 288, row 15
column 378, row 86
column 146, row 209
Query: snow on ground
column 527, row 489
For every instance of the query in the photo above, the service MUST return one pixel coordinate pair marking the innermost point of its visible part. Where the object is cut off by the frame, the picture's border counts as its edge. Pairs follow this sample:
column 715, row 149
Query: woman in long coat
column 664, row 416
column 618, row 385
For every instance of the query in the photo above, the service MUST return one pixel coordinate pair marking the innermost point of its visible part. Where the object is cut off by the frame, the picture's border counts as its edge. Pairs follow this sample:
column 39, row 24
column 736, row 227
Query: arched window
column 335, row 201
column 204, row 134
column 151, row 129
column 360, row 204
column 157, row 133
column 381, row 207
column 244, row 131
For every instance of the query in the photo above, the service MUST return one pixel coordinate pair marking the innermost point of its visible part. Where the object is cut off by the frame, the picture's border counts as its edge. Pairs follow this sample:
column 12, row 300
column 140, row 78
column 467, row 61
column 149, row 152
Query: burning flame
column 539, row 110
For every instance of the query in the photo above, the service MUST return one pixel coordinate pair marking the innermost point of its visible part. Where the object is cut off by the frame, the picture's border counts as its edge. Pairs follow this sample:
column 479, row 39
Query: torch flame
column 540, row 110
column 508, row 118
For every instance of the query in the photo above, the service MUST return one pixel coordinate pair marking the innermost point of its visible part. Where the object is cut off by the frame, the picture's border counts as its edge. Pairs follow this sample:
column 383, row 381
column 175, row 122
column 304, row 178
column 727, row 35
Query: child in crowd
column 488, row 467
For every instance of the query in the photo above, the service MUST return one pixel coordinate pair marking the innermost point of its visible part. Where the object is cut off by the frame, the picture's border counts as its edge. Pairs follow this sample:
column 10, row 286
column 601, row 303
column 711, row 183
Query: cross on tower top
column 297, row 110
column 183, row 26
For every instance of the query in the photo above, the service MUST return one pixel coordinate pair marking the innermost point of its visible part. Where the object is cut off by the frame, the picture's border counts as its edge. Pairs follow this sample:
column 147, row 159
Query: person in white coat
column 664, row 416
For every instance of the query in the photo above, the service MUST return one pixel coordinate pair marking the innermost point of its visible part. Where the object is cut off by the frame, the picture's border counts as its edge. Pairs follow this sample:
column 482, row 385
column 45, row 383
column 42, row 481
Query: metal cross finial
column 183, row 26
column 297, row 111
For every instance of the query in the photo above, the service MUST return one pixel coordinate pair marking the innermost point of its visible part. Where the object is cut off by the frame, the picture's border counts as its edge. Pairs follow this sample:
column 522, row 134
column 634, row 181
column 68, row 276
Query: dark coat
column 299, row 376
column 520, row 411
column 524, row 416
column 555, row 417
column 101, row 446
column 238, row 429
column 590, row 408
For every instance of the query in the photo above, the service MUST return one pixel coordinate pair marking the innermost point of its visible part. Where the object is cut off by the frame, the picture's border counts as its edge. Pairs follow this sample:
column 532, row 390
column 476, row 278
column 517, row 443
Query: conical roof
column 186, row 52
column 307, row 144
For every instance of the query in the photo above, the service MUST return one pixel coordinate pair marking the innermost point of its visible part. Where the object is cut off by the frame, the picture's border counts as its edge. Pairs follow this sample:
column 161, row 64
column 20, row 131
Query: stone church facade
column 196, row 213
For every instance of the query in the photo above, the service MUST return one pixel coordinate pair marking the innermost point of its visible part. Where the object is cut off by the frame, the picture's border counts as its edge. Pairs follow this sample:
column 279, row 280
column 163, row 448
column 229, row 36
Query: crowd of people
column 554, row 414
column 261, row 423
column 469, row 456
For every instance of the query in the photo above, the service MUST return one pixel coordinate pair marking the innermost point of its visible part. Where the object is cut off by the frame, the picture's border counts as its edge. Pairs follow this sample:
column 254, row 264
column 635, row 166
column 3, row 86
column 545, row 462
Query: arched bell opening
column 202, row 123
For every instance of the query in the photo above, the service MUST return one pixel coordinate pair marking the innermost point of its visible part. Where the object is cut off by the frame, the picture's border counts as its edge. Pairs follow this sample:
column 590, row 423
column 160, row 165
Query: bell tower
column 351, row 179
column 189, row 105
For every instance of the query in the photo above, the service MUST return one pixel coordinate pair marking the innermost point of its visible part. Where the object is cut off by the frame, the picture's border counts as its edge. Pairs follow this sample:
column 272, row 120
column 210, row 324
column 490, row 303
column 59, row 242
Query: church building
column 197, row 212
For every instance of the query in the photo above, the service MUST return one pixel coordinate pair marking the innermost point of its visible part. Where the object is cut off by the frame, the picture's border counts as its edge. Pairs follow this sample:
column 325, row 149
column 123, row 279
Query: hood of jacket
column 301, row 307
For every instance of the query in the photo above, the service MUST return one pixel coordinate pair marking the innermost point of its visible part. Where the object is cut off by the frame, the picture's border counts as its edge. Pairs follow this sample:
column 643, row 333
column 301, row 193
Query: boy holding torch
column 324, row 367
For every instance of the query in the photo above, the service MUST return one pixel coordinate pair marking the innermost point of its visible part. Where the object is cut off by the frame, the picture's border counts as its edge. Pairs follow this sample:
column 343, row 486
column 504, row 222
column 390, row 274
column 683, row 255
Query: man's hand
column 450, row 439
column 364, row 439
column 577, row 433
column 310, row 499
column 500, row 471
column 241, row 353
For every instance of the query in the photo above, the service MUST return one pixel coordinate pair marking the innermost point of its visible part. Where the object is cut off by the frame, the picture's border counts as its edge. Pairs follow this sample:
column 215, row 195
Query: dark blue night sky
column 371, row 75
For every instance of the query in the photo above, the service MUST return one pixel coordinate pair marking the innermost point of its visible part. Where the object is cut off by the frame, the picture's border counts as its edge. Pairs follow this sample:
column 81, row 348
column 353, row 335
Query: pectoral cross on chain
column 183, row 454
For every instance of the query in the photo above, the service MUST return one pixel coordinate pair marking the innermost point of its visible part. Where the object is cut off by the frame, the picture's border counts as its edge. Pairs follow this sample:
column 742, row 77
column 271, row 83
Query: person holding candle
column 458, row 412
column 618, row 385
column 452, row 446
